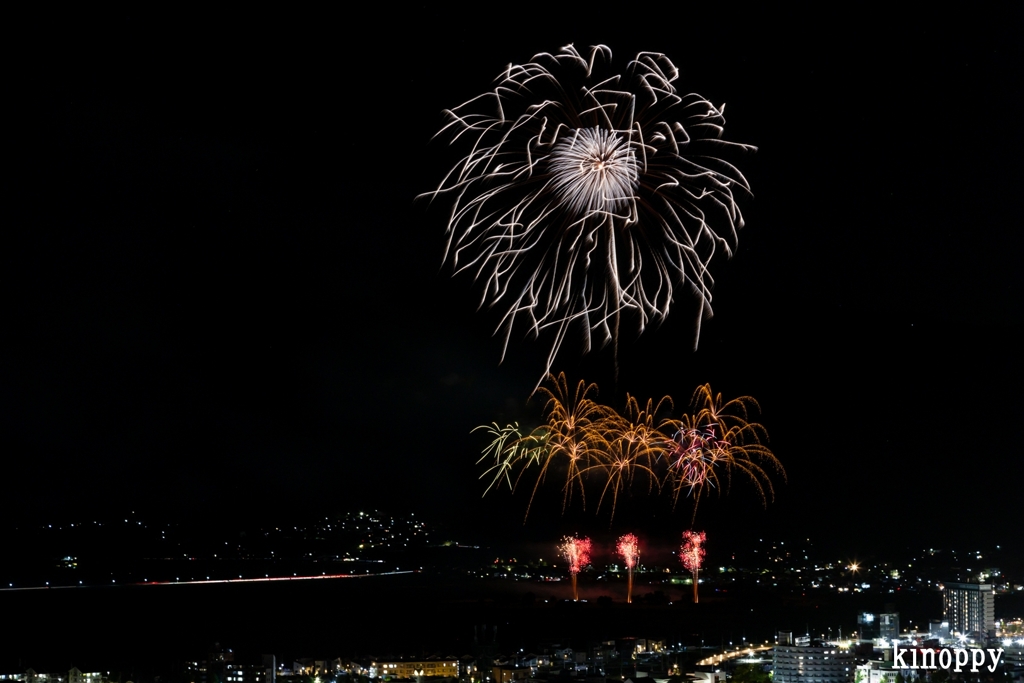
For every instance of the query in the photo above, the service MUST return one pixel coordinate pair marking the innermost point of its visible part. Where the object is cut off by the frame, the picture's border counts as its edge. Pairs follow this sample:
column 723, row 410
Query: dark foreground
column 145, row 630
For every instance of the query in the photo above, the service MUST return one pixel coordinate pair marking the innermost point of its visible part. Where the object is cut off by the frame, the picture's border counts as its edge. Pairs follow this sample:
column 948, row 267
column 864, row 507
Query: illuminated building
column 938, row 629
column 508, row 674
column 877, row 672
column 220, row 667
column 427, row 668
column 969, row 608
column 709, row 677
column 73, row 676
column 1013, row 656
column 885, row 626
column 77, row 676
column 811, row 662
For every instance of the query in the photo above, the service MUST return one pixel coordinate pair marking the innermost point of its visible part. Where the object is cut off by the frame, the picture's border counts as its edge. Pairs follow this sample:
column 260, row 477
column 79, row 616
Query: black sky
column 222, row 299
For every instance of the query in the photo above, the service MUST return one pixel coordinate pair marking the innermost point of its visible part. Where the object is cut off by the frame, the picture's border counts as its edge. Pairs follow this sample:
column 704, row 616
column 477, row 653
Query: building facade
column 428, row 668
column 816, row 662
column 970, row 609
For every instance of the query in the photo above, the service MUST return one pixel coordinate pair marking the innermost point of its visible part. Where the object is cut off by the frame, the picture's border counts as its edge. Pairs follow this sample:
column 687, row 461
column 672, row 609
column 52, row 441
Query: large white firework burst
column 587, row 196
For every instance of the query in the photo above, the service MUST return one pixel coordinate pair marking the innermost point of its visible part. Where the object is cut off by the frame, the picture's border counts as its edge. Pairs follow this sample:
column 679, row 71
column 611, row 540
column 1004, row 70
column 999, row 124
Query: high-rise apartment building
column 969, row 608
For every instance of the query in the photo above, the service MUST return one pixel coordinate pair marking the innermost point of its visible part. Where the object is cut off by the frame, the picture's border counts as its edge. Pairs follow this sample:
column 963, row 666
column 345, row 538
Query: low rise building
column 813, row 662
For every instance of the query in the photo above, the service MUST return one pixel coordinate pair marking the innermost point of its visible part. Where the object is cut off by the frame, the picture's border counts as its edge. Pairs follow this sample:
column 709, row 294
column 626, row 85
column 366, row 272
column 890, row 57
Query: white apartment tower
column 969, row 608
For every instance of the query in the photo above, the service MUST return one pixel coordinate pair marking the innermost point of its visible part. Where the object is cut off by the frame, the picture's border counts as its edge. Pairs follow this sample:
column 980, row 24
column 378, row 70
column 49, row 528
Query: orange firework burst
column 692, row 555
column 633, row 444
column 576, row 552
column 629, row 550
column 719, row 436
column 572, row 440
column 576, row 434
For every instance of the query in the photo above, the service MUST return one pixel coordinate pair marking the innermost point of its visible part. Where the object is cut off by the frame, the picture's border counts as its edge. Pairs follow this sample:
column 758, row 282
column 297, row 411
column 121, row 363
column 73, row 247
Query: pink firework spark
column 692, row 555
column 692, row 550
column 694, row 454
column 629, row 549
column 576, row 552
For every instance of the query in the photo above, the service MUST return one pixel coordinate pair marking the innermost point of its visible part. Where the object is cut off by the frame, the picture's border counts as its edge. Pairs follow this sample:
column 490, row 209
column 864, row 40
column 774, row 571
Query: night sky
column 222, row 300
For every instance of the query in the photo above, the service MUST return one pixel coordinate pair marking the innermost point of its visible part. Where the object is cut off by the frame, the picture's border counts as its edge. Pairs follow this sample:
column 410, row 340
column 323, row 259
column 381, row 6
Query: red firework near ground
column 692, row 554
column 576, row 552
column 629, row 549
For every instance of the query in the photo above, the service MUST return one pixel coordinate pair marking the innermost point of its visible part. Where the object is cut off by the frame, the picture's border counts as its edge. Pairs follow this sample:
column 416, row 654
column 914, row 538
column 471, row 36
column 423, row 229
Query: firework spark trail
column 587, row 193
column 576, row 428
column 719, row 435
column 692, row 457
column 508, row 449
column 634, row 445
column 691, row 553
column 629, row 550
column 576, row 552
column 592, row 445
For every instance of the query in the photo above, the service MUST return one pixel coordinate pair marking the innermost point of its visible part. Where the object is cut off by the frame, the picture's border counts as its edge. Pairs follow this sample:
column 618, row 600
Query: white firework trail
column 586, row 196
